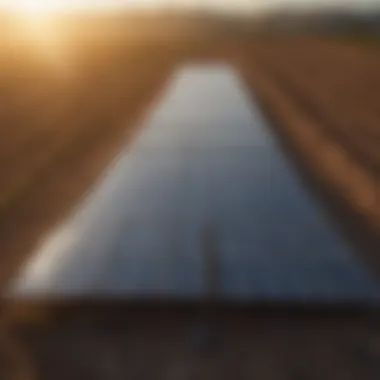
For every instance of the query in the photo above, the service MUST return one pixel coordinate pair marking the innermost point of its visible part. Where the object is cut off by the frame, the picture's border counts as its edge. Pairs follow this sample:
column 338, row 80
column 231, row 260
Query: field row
column 322, row 96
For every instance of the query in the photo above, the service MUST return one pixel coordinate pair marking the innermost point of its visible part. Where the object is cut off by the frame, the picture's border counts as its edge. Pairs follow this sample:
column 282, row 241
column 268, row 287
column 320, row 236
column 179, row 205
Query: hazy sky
column 216, row 4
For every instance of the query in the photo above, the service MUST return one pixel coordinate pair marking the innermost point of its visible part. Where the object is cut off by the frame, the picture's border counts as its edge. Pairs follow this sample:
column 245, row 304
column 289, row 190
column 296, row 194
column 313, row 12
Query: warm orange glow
column 57, row 6
column 35, row 6
column 37, row 27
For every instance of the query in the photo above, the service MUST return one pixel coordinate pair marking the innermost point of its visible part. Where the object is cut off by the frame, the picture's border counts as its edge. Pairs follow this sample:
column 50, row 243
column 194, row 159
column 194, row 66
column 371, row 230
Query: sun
column 38, row 7
column 35, row 6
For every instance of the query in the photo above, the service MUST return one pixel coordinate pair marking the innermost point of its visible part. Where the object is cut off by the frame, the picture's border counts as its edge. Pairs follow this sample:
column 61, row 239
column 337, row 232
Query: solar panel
column 204, row 204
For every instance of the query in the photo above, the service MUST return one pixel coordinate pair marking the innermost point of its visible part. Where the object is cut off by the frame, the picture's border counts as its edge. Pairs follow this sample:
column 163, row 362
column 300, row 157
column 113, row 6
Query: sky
column 227, row 5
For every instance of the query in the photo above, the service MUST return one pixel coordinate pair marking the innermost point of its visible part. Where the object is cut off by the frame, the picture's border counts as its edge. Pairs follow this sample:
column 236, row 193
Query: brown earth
column 114, row 340
column 321, row 98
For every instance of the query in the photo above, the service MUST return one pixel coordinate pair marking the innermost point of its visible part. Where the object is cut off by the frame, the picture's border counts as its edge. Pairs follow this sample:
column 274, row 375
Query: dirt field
column 58, row 133
column 114, row 340
column 321, row 96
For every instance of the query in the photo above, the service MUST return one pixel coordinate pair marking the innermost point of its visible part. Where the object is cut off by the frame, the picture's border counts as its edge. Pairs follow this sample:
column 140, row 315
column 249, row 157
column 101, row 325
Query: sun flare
column 35, row 6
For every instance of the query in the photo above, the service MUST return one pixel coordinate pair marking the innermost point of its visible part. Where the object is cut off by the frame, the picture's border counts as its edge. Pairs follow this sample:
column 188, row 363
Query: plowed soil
column 321, row 98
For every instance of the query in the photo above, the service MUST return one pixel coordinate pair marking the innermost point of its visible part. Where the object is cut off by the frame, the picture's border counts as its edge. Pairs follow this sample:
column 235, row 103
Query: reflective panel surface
column 203, row 204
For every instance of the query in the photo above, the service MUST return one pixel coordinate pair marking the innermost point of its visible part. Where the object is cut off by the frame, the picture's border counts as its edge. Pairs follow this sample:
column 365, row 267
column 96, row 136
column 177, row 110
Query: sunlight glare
column 35, row 6
column 58, row 6
column 36, row 24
